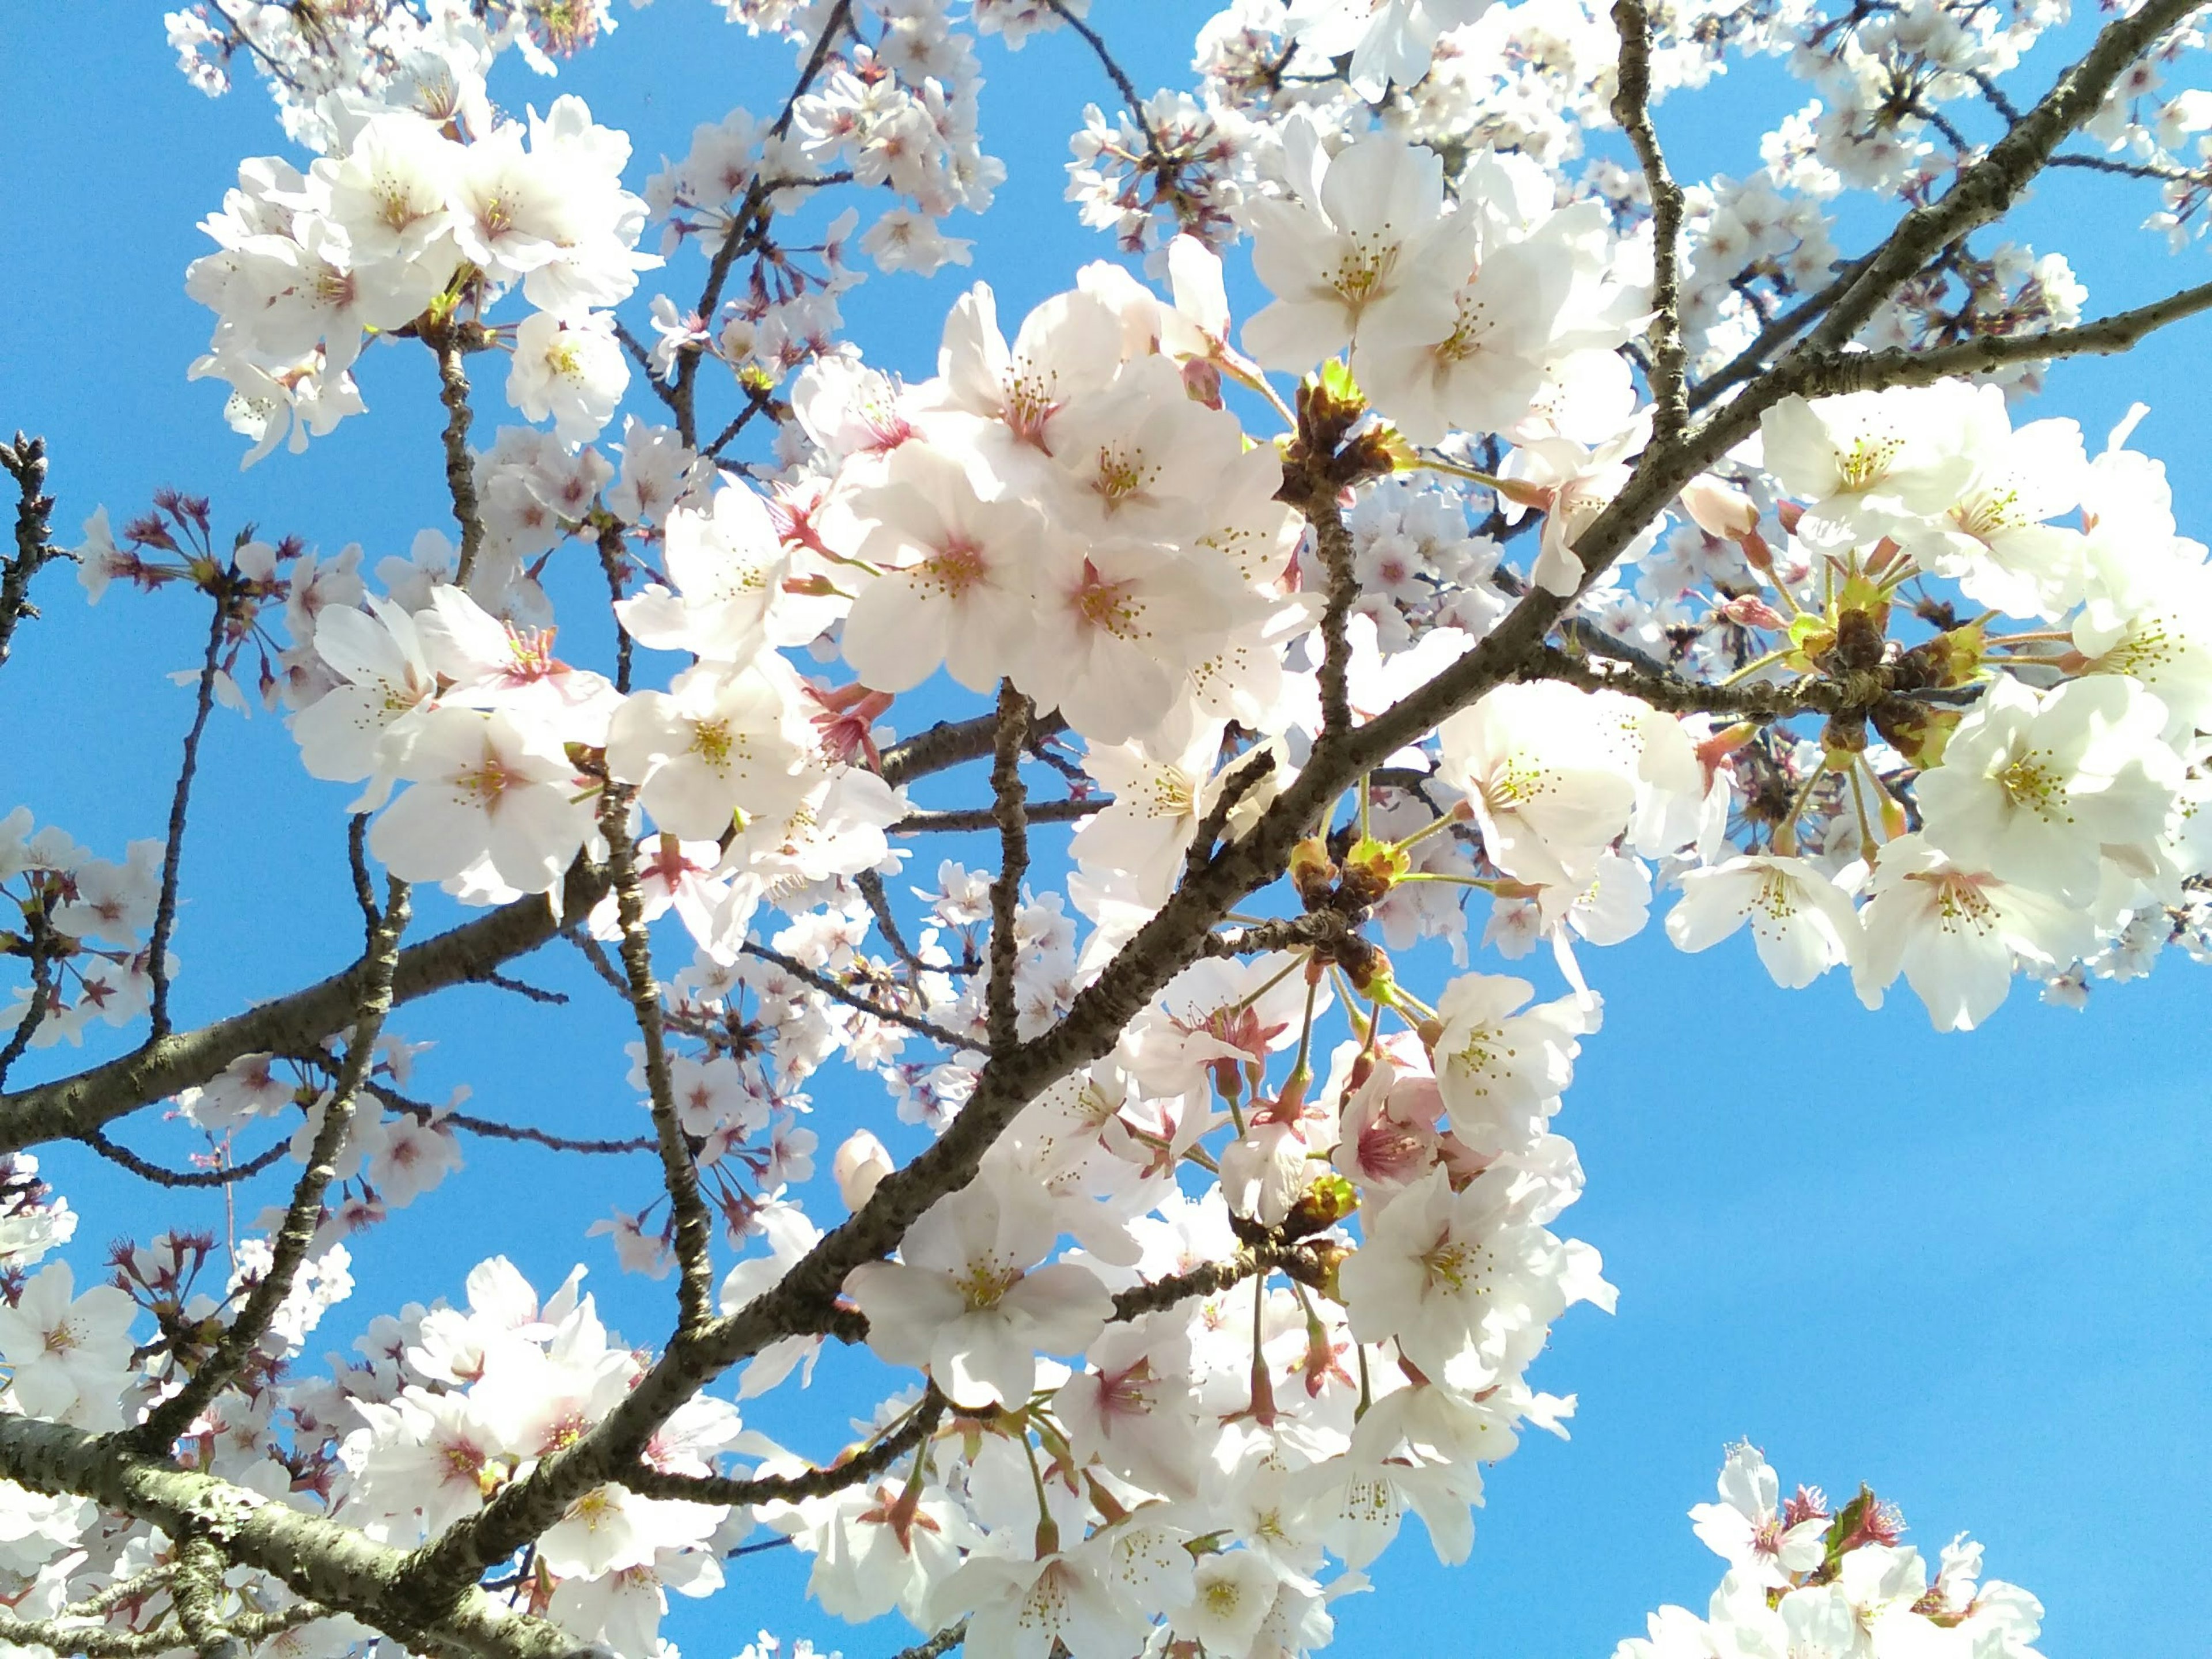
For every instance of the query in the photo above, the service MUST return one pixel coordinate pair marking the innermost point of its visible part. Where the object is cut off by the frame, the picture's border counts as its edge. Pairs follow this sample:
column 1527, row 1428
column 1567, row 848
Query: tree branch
column 422, row 1112
column 172, row 850
column 865, row 1465
column 830, row 987
column 69, row 1106
column 920, row 823
column 1007, row 812
column 26, row 462
column 174, row 1415
column 153, row 1172
column 1984, row 191
column 334, row 1566
column 1861, row 371
column 452, row 344
column 695, row 1229
column 1632, row 107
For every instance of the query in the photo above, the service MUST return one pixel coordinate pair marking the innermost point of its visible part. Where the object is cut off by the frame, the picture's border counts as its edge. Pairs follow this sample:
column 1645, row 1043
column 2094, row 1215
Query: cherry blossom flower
column 967, row 1300
column 1802, row 922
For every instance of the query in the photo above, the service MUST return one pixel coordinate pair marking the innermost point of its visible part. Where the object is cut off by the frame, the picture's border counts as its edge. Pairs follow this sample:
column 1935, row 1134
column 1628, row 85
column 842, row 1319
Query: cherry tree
column 1558, row 540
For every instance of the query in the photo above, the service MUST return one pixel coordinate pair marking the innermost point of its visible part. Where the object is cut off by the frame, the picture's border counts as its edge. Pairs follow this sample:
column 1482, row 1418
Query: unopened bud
column 1717, row 508
column 1749, row 611
column 1313, row 872
column 1201, row 381
column 861, row 1164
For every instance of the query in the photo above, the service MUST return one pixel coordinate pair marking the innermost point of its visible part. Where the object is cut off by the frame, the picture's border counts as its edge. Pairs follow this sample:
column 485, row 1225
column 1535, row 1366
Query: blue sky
column 1969, row 1270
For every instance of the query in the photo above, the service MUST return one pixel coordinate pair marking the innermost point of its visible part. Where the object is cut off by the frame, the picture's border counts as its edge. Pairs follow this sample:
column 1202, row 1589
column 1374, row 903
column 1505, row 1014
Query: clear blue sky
column 1970, row 1270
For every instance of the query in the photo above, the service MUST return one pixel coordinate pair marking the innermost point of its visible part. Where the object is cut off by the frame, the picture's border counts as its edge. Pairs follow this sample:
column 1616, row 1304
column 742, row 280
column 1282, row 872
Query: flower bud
column 1313, row 872
column 1717, row 508
column 1749, row 611
column 860, row 1165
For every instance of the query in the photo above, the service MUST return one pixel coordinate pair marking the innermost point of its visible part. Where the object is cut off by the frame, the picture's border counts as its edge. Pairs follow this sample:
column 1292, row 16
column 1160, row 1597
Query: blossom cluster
column 1801, row 1579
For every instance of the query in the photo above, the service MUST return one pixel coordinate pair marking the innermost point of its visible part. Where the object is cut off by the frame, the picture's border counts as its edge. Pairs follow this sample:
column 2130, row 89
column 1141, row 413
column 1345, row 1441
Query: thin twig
column 922, row 821
column 679, row 1174
column 223, row 1176
column 1122, row 84
column 879, row 906
column 172, row 850
column 830, row 987
column 422, row 1112
column 865, row 1465
column 305, row 1213
column 45, row 947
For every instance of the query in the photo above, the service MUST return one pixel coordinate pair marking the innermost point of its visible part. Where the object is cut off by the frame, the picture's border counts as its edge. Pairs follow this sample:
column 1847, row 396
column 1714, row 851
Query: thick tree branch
column 330, row 1565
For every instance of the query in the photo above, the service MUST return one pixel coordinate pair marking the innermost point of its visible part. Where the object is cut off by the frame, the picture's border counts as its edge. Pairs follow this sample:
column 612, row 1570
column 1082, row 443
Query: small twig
column 1240, row 782
column 757, row 399
column 44, row 948
column 165, row 1177
column 304, row 1215
column 879, row 906
column 1776, row 333
column 2132, row 169
column 865, row 1465
column 922, row 821
column 695, row 1231
column 173, row 851
column 611, row 562
column 422, row 1112
column 1840, row 371
column 830, row 987
column 523, row 989
column 1334, row 539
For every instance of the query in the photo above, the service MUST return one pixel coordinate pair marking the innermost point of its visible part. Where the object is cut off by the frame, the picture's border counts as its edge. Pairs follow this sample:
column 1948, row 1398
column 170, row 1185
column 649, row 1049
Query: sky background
column 1969, row 1270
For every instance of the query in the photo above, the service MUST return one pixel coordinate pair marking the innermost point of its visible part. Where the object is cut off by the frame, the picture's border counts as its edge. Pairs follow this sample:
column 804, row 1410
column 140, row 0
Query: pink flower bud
column 1719, row 509
column 1749, row 611
column 860, row 1165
